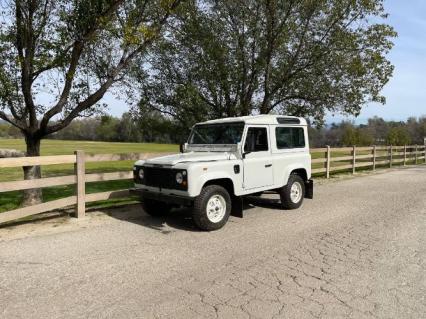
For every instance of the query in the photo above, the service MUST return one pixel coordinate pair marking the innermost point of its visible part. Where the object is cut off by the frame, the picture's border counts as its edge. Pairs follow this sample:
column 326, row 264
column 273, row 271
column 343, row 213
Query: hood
column 171, row 160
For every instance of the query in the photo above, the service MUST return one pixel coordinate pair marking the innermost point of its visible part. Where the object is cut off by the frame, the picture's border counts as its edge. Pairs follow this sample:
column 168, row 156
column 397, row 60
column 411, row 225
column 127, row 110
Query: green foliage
column 350, row 136
column 356, row 136
column 229, row 58
column 376, row 132
column 70, row 53
column 149, row 127
column 8, row 131
column 398, row 136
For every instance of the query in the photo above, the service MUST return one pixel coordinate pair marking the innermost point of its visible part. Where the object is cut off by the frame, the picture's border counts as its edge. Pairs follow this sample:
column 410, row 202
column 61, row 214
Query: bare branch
column 99, row 93
column 6, row 118
column 77, row 50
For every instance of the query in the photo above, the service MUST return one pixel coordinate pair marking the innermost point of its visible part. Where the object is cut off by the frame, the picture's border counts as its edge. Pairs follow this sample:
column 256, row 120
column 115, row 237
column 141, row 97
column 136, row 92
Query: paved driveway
column 356, row 251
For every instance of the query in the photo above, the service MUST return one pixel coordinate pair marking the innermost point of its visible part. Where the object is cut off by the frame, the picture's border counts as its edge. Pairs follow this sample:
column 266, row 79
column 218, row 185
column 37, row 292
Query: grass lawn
column 11, row 200
column 58, row 147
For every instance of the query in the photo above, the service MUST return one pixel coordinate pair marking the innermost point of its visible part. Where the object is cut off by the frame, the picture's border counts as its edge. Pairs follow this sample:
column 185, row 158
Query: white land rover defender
column 225, row 160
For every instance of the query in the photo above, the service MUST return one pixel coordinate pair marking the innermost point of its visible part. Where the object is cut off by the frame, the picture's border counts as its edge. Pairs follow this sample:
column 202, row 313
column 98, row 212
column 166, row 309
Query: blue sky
column 406, row 91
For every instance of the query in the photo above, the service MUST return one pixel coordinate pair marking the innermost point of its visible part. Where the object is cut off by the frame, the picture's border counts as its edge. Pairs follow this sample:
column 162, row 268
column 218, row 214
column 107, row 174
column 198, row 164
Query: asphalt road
column 356, row 251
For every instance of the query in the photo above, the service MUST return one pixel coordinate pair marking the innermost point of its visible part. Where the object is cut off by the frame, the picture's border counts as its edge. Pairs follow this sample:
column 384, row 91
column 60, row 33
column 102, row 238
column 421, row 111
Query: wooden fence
column 325, row 161
column 352, row 158
column 79, row 179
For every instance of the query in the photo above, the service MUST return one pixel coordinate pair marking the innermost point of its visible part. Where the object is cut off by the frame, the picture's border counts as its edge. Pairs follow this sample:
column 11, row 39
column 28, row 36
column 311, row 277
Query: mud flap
column 237, row 207
column 309, row 189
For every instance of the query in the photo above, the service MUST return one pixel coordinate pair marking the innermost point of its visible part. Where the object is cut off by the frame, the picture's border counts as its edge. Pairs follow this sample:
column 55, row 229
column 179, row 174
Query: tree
column 107, row 128
column 364, row 137
column 398, row 136
column 239, row 57
column 350, row 136
column 70, row 53
column 378, row 128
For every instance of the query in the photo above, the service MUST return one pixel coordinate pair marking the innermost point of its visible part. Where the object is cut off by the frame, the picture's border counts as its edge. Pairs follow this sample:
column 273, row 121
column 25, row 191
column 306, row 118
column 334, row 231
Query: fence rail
column 324, row 161
column 79, row 179
column 334, row 159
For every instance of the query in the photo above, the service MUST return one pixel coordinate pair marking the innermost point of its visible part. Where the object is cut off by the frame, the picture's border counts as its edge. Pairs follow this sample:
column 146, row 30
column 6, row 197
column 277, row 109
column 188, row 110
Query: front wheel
column 293, row 193
column 212, row 208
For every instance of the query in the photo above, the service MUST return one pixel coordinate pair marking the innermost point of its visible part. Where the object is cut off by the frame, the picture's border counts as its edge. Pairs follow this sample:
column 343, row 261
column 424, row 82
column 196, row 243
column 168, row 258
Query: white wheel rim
column 216, row 208
column 296, row 192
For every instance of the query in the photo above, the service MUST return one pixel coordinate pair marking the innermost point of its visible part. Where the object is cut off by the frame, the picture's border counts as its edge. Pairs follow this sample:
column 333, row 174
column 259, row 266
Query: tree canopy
column 240, row 57
column 58, row 58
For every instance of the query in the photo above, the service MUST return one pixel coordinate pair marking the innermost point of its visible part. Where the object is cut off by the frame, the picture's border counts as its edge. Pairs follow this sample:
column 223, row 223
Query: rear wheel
column 212, row 208
column 155, row 208
column 293, row 193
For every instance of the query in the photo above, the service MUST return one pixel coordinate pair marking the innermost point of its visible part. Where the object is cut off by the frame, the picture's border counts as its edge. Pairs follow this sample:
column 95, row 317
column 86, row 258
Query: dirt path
column 356, row 251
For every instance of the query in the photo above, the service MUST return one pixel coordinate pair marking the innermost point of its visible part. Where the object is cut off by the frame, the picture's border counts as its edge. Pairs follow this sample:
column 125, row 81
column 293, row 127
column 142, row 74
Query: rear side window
column 290, row 137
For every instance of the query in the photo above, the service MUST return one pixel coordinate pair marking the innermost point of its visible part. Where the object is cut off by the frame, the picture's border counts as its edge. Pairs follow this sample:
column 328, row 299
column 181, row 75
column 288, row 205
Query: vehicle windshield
column 221, row 133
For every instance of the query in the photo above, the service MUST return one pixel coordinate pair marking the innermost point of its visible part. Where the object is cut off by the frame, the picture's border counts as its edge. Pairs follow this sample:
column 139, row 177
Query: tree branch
column 77, row 50
column 24, row 45
column 6, row 118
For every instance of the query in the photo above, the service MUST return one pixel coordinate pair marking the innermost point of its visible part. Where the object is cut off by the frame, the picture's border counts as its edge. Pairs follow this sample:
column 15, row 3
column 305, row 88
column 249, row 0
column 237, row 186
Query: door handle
column 268, row 165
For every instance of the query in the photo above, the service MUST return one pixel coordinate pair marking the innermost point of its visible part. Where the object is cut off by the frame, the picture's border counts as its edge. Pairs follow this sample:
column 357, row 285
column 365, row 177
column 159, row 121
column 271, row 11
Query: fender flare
column 205, row 178
column 292, row 168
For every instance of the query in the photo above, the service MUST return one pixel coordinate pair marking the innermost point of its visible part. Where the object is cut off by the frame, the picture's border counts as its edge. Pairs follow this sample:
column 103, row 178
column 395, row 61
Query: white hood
column 174, row 159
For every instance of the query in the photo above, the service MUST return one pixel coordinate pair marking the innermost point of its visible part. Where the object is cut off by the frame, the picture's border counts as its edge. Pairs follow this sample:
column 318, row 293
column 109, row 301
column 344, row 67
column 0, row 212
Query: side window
column 290, row 137
column 256, row 140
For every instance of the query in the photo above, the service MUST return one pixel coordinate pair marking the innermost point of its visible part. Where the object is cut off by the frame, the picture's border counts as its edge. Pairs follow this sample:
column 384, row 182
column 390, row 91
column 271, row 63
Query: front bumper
column 161, row 197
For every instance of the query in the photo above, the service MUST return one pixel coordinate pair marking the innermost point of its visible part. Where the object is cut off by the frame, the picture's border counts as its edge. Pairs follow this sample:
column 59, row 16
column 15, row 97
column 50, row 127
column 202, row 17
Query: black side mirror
column 181, row 147
column 245, row 153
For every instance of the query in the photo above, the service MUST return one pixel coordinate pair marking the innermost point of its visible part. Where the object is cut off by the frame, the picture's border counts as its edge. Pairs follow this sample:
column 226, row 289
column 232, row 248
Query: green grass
column 59, row 147
column 12, row 200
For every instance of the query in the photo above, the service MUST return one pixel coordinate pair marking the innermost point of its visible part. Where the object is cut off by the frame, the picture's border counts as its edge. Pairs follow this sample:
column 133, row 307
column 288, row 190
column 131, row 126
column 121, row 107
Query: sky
column 406, row 91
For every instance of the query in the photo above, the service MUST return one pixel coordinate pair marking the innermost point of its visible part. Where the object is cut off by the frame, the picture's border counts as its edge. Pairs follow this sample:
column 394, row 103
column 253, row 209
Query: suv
column 225, row 160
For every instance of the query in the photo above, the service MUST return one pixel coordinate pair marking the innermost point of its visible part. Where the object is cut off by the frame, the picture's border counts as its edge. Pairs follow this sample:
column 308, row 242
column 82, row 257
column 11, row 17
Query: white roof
column 264, row 119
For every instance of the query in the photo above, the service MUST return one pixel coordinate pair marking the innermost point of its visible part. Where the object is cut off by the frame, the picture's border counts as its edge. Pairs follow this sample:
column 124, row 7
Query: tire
column 218, row 215
column 155, row 208
column 293, row 200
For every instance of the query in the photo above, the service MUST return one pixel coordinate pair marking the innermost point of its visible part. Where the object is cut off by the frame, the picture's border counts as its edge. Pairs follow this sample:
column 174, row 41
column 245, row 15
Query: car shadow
column 178, row 218
column 263, row 202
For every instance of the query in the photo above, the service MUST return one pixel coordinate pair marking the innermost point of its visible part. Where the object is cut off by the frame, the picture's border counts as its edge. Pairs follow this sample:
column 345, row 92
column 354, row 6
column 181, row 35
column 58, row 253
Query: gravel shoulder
column 356, row 251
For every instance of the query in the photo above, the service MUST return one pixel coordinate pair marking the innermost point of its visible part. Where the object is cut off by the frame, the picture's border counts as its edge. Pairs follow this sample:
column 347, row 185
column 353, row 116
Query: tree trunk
column 32, row 196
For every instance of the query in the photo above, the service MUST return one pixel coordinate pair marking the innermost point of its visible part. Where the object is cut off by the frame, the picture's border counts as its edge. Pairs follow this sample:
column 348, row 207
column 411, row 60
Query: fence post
column 390, row 156
column 80, row 172
column 374, row 157
column 405, row 155
column 327, row 169
column 424, row 149
column 415, row 155
column 353, row 159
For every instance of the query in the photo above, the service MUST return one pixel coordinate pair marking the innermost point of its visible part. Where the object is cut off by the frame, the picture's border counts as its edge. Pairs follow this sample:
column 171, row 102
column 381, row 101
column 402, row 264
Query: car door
column 257, row 158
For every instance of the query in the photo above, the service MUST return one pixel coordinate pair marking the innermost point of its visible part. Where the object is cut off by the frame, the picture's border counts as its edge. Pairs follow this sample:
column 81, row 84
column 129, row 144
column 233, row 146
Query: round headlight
column 141, row 174
column 179, row 178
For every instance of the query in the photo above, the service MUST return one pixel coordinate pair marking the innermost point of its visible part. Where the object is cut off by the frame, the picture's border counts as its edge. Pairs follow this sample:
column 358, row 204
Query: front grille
column 159, row 177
